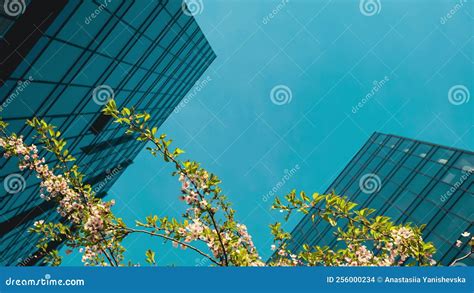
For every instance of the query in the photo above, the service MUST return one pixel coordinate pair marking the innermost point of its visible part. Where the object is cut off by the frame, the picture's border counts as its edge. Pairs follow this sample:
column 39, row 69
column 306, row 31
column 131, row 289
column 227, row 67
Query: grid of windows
column 420, row 182
column 149, row 52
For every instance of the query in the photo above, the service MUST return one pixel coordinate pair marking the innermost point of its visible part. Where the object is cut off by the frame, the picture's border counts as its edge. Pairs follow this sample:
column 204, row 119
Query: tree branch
column 182, row 170
column 131, row 230
column 461, row 258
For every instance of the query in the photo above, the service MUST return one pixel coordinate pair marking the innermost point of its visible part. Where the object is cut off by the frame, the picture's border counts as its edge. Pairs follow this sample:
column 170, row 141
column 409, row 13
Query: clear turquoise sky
column 328, row 54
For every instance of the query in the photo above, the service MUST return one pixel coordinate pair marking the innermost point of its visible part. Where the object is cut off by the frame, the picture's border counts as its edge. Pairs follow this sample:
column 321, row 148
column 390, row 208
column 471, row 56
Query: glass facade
column 412, row 181
column 58, row 61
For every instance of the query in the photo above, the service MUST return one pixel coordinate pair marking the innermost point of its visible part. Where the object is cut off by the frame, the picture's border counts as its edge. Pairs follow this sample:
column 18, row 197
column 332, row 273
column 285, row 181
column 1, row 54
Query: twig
column 461, row 258
column 131, row 230
column 180, row 168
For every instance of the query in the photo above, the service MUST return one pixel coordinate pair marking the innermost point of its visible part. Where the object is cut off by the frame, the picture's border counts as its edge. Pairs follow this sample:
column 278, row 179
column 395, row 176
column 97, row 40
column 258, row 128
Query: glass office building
column 409, row 181
column 61, row 61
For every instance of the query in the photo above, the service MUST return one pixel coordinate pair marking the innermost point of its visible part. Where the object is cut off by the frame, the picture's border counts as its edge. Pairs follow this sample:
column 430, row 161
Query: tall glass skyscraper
column 409, row 181
column 61, row 61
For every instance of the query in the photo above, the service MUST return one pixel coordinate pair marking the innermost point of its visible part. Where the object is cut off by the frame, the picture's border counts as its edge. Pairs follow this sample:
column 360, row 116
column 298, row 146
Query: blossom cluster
column 464, row 235
column 95, row 221
column 194, row 230
column 190, row 194
column 89, row 255
column 401, row 235
column 52, row 185
column 245, row 237
column 72, row 205
column 194, row 185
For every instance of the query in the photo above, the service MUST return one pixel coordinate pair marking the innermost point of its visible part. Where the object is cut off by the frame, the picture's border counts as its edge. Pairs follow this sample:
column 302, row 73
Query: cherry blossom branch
column 68, row 191
column 131, row 230
column 178, row 165
column 67, row 170
column 397, row 240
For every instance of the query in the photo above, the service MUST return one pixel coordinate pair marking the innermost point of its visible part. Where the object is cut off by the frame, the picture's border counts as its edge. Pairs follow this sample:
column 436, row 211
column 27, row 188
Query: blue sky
column 328, row 54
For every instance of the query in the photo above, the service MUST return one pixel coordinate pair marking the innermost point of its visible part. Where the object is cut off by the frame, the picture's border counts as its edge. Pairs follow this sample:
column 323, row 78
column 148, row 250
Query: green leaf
column 147, row 117
column 351, row 205
column 150, row 257
column 304, row 197
column 178, row 152
column 126, row 112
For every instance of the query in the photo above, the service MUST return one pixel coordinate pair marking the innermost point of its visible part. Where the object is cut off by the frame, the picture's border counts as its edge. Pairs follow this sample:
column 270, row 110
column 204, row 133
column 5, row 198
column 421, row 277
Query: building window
column 100, row 123
column 94, row 148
